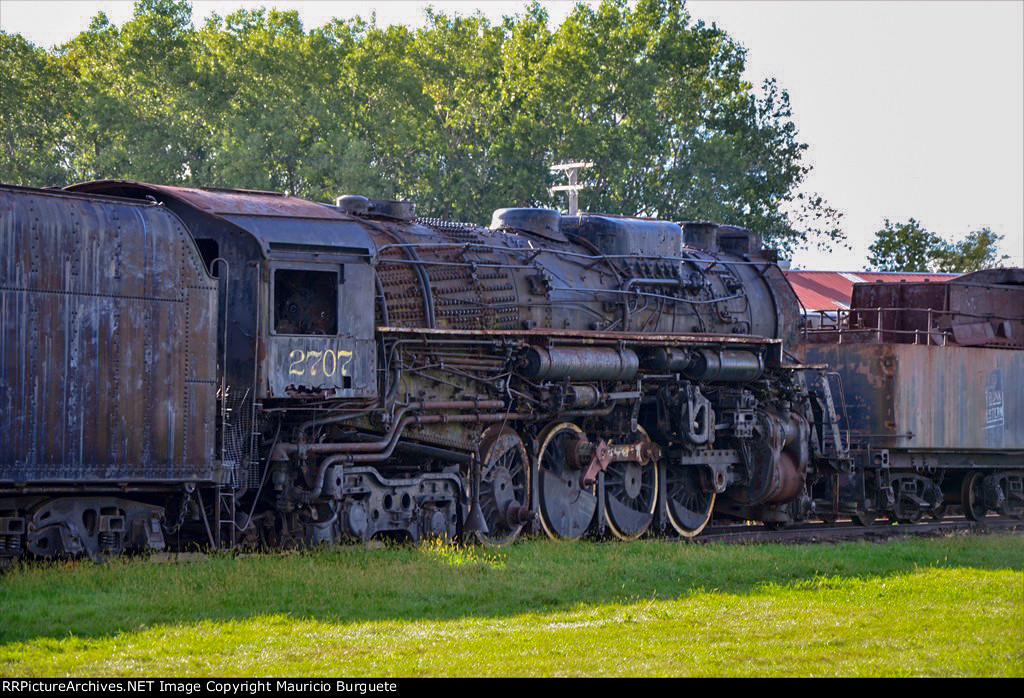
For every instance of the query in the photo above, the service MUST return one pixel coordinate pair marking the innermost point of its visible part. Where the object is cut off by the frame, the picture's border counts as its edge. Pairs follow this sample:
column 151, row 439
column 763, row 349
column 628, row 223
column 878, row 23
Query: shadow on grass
column 438, row 582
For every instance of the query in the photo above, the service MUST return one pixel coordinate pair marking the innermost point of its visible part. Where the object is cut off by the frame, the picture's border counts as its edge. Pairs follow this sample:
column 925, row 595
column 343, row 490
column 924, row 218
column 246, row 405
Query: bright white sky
column 910, row 108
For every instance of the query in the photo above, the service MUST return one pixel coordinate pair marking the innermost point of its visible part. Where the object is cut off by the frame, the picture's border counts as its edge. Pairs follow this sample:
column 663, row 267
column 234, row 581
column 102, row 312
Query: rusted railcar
column 933, row 378
column 107, row 370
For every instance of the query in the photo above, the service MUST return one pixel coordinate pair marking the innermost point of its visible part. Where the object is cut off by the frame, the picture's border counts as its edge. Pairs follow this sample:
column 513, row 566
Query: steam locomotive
column 244, row 368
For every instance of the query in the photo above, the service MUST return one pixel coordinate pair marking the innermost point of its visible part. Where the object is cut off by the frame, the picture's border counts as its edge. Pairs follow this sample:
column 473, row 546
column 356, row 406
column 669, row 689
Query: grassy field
column 951, row 606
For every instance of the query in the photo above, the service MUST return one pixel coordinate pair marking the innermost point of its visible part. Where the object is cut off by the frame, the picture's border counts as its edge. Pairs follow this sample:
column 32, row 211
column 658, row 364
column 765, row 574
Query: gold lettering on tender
column 348, row 358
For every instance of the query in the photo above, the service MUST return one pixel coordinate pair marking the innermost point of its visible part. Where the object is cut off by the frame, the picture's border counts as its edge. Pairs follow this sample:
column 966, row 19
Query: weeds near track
column 459, row 555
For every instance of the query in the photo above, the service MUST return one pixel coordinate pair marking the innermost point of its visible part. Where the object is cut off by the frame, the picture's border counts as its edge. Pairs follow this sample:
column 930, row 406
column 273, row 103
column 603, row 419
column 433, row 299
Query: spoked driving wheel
column 566, row 509
column 630, row 496
column 689, row 505
column 503, row 485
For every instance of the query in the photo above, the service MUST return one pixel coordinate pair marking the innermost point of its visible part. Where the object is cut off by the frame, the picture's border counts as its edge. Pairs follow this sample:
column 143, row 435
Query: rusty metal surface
column 581, row 363
column 463, row 277
column 224, row 202
column 784, row 304
column 339, row 364
column 329, row 362
column 902, row 396
column 913, row 301
column 436, row 274
column 277, row 221
column 974, row 400
column 291, row 233
column 943, row 313
column 624, row 236
column 400, row 345
column 107, row 342
column 833, row 290
column 1002, row 276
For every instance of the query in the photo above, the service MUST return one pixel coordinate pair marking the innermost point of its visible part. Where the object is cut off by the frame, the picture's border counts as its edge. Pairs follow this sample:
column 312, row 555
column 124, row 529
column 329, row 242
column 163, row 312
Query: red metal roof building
column 832, row 290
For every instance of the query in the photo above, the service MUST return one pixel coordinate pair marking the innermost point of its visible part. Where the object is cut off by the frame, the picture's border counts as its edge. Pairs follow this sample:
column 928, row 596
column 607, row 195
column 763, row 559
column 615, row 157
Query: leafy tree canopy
column 35, row 114
column 462, row 116
column 911, row 247
column 979, row 249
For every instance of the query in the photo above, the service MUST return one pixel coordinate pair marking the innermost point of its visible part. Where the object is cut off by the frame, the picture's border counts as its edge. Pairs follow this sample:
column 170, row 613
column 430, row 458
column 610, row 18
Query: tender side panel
column 107, row 342
column 973, row 397
column 907, row 396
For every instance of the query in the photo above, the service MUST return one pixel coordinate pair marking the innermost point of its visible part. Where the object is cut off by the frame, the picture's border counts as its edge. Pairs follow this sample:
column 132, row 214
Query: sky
column 910, row 109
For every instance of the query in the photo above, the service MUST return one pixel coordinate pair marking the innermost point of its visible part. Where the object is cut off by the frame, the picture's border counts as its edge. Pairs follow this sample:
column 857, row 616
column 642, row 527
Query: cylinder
column 724, row 365
column 351, row 203
column 667, row 359
column 700, row 235
column 541, row 221
column 728, row 365
column 581, row 363
column 584, row 396
column 402, row 210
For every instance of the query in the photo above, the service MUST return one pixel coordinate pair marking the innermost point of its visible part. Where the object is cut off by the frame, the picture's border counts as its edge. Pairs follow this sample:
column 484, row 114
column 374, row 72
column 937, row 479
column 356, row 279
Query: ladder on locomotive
column 224, row 516
column 226, row 497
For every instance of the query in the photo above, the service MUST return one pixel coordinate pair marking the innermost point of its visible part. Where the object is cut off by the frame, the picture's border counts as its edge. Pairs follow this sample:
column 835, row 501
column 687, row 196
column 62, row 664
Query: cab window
column 305, row 302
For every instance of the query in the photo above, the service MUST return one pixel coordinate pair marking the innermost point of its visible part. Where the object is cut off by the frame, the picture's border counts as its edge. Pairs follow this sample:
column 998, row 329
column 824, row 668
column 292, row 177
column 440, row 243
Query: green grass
column 952, row 606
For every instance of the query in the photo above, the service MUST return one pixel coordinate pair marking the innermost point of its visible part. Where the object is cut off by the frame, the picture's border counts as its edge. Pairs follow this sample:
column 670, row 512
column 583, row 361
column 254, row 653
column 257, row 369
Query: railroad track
column 813, row 532
column 820, row 532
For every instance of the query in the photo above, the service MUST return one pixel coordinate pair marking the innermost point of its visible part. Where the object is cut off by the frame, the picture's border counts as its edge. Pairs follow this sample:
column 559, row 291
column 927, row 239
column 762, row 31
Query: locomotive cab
column 319, row 332
column 296, row 281
column 294, row 323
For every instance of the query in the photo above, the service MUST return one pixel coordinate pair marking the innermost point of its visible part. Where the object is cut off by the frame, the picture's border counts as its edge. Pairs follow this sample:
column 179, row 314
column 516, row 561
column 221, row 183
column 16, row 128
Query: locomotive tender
column 250, row 368
column 933, row 378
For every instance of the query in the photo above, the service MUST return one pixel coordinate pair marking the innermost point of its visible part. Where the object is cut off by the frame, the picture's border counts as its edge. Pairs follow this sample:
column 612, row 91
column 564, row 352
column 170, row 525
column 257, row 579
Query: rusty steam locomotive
column 248, row 368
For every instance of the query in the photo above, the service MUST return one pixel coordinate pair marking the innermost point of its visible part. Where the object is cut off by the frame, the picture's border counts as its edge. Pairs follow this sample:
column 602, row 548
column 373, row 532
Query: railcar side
column 933, row 377
column 107, row 371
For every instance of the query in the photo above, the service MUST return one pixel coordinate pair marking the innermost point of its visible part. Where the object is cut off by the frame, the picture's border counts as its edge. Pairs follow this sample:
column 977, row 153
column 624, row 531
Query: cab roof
column 278, row 222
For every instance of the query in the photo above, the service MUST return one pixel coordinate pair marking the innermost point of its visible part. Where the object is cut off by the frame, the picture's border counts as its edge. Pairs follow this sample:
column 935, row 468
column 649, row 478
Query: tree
column 462, row 116
column 661, row 107
column 978, row 250
column 903, row 247
column 272, row 112
column 33, row 131
column 138, row 97
column 911, row 247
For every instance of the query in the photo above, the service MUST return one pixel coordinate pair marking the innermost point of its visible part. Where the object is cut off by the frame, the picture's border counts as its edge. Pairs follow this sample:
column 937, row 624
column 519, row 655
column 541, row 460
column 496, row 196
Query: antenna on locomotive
column 572, row 189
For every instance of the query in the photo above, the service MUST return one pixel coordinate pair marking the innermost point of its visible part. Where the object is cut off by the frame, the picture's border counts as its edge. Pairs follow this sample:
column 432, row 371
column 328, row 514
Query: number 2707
column 314, row 363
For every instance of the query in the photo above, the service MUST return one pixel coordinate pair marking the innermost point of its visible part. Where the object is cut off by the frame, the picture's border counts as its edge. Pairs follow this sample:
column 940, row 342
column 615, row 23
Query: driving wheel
column 689, row 505
column 504, row 476
column 566, row 509
column 630, row 496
